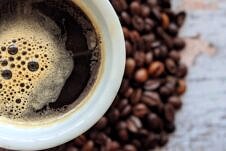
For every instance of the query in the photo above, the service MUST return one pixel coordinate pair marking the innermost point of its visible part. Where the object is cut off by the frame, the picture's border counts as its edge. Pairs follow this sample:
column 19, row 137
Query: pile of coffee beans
column 143, row 113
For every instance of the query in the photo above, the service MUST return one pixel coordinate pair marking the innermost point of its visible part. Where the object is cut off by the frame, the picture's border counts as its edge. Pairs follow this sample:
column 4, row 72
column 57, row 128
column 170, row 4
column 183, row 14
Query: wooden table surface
column 201, row 123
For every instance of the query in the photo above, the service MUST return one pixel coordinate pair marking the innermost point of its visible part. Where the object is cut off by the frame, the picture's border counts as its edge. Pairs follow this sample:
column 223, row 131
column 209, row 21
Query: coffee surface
column 49, row 57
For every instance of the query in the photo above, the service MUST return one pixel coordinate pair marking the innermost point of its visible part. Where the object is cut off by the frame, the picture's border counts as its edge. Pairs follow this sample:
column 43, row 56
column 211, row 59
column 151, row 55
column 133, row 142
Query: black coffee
column 49, row 57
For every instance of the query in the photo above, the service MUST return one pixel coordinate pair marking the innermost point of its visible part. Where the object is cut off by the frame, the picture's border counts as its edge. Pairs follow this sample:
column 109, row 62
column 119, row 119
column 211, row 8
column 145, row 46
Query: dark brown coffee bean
column 138, row 23
column 169, row 127
column 149, row 58
column 161, row 52
column 129, row 147
column 135, row 36
column 175, row 55
column 145, row 11
column 180, row 18
column 141, row 75
column 181, row 87
column 178, row 44
column 123, row 135
column 171, row 66
column 148, row 39
column 126, row 32
column 151, row 141
column 88, row 146
column 170, row 43
column 121, row 125
column 152, row 3
column 154, row 122
column 124, row 86
column 156, row 14
column 71, row 148
column 128, row 92
column 130, row 66
column 113, row 115
column 163, row 139
column 136, row 96
column 165, row 20
column 152, row 85
column 136, row 121
column 152, row 99
column 139, row 58
column 102, row 123
column 156, row 69
column 126, row 111
column 182, row 70
column 80, row 141
column 135, row 8
column 169, row 113
column 140, row 110
column 131, row 127
column 175, row 101
column 129, row 48
column 112, row 146
column 122, row 104
column 119, row 5
column 148, row 24
column 173, row 29
column 125, row 17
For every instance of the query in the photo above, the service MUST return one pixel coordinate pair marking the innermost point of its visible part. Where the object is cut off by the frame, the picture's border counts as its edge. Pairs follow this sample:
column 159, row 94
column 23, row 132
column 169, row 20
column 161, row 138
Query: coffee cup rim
column 17, row 138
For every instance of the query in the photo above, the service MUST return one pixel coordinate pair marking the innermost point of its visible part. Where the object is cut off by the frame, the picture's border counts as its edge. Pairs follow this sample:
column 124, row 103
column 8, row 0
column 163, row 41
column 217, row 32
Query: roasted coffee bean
column 126, row 33
column 169, row 113
column 129, row 48
column 136, row 96
column 126, row 111
column 80, row 141
column 156, row 69
column 141, row 75
column 139, row 58
column 130, row 66
column 148, row 24
column 151, row 99
column 135, row 36
column 152, row 3
column 148, row 58
column 171, row 66
column 175, row 101
column 102, row 123
column 175, row 55
column 181, row 87
column 145, row 11
column 182, row 70
column 123, row 135
column 88, row 146
column 172, row 29
column 161, row 52
column 125, row 17
column 129, row 147
column 119, row 5
column 135, row 8
column 178, row 44
column 138, row 23
column 140, row 110
column 180, row 18
column 152, row 85
column 154, row 122
column 165, row 20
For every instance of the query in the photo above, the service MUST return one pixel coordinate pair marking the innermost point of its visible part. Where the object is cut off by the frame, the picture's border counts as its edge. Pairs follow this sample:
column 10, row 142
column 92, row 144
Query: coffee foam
column 39, row 69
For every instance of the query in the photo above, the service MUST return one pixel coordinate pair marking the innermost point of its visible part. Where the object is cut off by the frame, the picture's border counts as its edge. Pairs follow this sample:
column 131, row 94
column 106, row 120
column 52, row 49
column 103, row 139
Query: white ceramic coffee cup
column 50, row 133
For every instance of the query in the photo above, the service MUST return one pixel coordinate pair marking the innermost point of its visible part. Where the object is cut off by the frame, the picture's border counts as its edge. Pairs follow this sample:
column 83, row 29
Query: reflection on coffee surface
column 49, row 57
